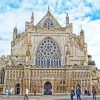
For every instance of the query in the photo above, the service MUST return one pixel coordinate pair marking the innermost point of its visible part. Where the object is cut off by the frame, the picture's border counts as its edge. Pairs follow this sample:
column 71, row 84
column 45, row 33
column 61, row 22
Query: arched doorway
column 47, row 88
column 17, row 89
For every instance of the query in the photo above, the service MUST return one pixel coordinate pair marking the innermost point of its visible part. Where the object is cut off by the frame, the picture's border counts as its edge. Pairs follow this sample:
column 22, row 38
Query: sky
column 85, row 13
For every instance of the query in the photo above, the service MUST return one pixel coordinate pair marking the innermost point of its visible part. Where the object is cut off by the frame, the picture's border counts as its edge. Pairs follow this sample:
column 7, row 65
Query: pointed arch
column 47, row 88
column 48, row 54
column 17, row 88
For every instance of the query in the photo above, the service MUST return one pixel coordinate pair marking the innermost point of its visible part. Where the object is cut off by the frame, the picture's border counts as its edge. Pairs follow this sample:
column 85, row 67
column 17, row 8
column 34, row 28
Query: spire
column 67, row 19
column 48, row 10
column 67, row 15
column 15, row 32
column 82, row 31
column 82, row 36
column 32, row 18
column 15, row 28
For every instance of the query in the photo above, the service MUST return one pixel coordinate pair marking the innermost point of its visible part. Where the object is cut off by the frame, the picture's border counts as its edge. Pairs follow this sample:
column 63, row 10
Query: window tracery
column 48, row 54
column 48, row 24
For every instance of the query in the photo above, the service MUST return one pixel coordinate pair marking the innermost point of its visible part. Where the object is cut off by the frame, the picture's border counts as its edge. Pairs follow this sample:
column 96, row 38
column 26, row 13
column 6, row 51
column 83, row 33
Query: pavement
column 46, row 97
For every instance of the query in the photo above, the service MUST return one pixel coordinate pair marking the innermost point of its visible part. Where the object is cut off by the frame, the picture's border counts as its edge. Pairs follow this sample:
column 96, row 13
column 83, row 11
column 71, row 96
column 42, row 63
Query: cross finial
column 48, row 9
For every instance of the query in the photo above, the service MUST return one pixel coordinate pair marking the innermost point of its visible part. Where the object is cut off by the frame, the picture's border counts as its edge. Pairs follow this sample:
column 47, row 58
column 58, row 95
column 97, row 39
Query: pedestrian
column 9, row 92
column 94, row 93
column 78, row 93
column 26, row 95
column 72, row 93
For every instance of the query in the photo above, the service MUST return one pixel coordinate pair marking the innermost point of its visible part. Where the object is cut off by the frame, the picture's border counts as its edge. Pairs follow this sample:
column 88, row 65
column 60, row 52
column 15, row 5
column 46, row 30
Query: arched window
column 48, row 54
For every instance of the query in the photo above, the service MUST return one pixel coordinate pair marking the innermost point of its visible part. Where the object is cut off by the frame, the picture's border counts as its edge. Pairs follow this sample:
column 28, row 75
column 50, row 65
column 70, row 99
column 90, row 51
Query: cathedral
column 47, row 59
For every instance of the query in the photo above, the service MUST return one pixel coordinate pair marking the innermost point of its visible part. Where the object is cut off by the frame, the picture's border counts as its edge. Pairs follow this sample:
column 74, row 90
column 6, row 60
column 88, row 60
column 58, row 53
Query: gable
column 48, row 22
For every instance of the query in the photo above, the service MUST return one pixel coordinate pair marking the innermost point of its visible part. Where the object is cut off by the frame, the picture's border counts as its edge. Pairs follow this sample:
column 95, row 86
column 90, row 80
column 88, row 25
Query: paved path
column 3, row 97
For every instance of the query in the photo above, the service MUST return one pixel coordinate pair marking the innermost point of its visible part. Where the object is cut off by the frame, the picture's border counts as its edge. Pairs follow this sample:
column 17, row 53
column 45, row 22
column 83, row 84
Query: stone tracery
column 48, row 54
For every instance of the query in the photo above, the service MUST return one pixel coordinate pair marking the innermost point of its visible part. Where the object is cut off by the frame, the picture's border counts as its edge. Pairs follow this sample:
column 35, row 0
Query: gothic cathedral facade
column 48, row 59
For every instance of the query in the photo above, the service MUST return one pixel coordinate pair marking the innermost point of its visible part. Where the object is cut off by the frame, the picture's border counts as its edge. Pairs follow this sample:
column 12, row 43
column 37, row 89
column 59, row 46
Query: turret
column 82, row 36
column 15, row 33
column 29, row 24
column 69, row 26
column 32, row 18
column 67, row 19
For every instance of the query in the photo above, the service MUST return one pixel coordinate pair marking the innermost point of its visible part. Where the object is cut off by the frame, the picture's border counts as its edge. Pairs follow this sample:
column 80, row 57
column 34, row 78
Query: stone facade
column 47, row 59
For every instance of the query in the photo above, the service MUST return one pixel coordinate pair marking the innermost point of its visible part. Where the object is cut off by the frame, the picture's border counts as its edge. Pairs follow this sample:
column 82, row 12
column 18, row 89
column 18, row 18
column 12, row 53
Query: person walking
column 94, row 93
column 78, row 93
column 26, row 95
column 72, row 93
column 8, row 92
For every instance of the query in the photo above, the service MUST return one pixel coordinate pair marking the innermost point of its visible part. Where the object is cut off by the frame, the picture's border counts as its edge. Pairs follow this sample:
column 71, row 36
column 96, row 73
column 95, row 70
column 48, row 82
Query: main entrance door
column 17, row 89
column 47, row 88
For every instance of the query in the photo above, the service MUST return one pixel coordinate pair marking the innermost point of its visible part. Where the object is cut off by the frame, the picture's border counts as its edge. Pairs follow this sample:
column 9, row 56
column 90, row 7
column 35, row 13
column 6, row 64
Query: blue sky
column 81, row 12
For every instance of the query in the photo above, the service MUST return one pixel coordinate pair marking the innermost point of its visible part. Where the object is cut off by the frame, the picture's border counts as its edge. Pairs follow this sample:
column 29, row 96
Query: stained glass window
column 48, row 23
column 48, row 54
